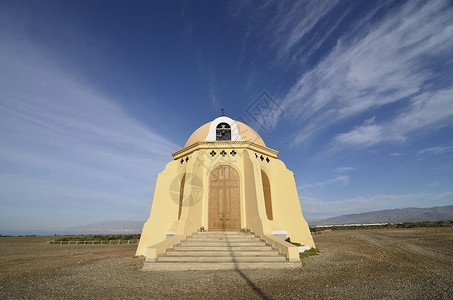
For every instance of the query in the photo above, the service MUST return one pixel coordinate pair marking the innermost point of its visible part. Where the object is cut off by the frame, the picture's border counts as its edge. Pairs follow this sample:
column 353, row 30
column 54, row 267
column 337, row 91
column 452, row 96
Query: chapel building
column 225, row 181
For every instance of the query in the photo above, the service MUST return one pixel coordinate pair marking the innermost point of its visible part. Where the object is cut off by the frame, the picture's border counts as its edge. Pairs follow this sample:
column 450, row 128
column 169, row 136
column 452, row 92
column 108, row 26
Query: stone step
column 221, row 248
column 221, row 259
column 221, row 244
column 185, row 252
column 225, row 241
column 221, row 237
column 222, row 233
column 196, row 266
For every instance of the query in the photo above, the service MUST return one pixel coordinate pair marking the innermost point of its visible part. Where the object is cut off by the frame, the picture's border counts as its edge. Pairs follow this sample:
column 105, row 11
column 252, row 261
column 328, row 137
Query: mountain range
column 110, row 226
column 410, row 214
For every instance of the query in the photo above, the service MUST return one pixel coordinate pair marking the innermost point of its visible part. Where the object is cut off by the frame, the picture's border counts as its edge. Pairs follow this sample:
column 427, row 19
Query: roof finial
column 223, row 114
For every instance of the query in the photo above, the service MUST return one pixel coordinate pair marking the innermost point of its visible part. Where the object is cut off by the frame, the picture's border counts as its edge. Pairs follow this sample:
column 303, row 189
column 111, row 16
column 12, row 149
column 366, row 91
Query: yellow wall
column 194, row 193
column 285, row 200
column 164, row 211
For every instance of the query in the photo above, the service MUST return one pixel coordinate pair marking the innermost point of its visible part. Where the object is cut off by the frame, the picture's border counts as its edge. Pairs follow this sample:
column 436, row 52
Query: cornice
column 224, row 144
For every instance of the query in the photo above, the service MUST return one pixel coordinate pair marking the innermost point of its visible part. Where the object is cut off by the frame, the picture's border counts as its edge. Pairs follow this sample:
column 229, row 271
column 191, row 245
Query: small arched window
column 223, row 132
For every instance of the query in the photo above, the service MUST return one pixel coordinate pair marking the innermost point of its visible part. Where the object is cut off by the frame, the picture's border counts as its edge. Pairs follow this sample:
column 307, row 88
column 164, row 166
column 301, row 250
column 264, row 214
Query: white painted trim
column 234, row 129
column 169, row 234
column 279, row 232
column 303, row 248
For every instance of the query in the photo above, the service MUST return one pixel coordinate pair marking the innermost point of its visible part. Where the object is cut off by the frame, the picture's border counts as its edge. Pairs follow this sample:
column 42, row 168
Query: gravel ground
column 353, row 264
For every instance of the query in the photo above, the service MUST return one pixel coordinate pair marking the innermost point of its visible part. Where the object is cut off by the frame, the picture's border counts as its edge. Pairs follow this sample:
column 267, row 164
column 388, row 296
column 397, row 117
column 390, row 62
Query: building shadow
column 244, row 276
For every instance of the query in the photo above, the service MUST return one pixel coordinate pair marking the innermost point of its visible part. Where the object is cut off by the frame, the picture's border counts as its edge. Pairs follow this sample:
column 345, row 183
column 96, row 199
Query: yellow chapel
column 224, row 201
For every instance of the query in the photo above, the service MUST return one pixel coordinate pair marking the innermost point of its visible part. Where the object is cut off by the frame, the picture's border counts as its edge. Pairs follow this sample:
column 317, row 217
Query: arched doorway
column 224, row 212
column 267, row 195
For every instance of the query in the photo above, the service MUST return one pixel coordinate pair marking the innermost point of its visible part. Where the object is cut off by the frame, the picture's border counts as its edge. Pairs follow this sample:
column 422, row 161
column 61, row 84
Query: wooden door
column 224, row 211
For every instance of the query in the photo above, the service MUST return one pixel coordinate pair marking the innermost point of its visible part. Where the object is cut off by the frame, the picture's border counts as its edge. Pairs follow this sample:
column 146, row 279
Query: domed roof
column 239, row 132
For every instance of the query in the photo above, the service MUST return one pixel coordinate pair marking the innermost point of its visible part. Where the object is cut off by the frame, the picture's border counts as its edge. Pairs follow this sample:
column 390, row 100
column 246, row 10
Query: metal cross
column 222, row 112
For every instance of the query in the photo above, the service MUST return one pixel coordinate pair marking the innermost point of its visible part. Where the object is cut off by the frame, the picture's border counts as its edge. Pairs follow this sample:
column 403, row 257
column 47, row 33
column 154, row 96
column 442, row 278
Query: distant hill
column 410, row 214
column 110, row 226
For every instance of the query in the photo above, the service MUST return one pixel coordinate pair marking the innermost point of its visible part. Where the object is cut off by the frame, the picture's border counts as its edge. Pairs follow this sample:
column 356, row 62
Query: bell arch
column 223, row 132
column 267, row 195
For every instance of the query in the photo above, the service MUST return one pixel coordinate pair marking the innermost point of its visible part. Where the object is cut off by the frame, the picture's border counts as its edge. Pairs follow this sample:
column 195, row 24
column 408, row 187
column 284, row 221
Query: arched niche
column 181, row 195
column 267, row 195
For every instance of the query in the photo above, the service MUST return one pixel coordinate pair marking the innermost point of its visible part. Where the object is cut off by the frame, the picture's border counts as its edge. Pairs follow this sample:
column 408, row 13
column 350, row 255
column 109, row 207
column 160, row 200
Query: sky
column 96, row 95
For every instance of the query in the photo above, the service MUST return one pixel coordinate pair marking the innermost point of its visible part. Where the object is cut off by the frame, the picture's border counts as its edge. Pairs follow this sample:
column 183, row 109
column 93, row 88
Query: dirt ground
column 353, row 264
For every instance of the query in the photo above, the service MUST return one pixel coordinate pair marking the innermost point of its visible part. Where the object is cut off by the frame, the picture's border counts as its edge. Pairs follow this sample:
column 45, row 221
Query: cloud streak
column 68, row 148
column 431, row 109
column 343, row 180
column 390, row 62
column 435, row 150
column 344, row 169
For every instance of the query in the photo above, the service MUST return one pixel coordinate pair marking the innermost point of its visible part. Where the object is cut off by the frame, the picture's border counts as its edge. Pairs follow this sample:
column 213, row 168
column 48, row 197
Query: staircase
column 220, row 250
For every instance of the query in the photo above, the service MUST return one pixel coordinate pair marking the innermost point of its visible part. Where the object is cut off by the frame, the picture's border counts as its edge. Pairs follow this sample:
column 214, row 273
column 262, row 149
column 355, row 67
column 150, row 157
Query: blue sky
column 96, row 95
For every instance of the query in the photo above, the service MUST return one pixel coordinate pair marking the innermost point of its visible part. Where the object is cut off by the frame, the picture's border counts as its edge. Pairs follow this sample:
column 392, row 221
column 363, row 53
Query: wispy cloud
column 344, row 169
column 430, row 109
column 294, row 21
column 68, row 148
column 343, row 180
column 212, row 87
column 435, row 150
column 388, row 62
column 290, row 30
column 396, row 154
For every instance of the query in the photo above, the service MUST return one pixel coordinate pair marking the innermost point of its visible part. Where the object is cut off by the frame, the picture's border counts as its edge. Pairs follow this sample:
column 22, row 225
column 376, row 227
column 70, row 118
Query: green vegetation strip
column 97, row 239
